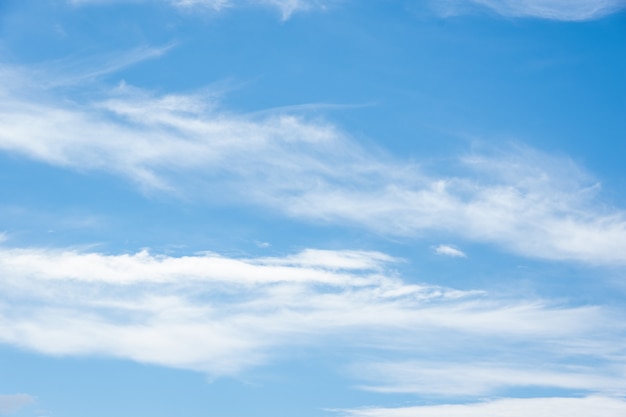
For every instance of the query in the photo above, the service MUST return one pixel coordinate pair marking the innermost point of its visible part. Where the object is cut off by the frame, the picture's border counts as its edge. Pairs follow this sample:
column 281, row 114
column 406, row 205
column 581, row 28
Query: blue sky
column 313, row 208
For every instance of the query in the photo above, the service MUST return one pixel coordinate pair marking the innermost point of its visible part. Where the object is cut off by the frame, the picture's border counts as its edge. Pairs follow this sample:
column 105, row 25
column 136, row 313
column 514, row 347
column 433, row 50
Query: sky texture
column 313, row 208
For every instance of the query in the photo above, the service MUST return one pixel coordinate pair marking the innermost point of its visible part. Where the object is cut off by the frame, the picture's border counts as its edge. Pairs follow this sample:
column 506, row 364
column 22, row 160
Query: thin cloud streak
column 286, row 7
column 314, row 266
column 524, row 201
column 566, row 10
column 477, row 378
column 595, row 406
column 68, row 72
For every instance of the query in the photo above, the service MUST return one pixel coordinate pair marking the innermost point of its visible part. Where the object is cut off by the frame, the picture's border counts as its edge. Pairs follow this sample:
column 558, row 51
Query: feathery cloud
column 480, row 378
column 525, row 201
column 569, row 10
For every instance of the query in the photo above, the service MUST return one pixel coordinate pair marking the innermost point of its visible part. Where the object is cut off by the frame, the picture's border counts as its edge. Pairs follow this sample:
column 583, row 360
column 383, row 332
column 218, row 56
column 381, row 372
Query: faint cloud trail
column 565, row 10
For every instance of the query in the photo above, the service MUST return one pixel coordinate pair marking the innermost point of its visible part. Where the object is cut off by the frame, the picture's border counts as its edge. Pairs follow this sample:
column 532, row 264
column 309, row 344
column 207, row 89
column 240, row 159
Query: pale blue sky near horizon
column 312, row 208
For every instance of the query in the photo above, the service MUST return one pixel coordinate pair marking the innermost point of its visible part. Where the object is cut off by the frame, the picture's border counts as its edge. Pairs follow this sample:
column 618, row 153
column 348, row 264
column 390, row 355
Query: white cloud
column 314, row 266
column 10, row 404
column 448, row 250
column 571, row 10
column 508, row 407
column 522, row 200
column 222, row 316
column 487, row 378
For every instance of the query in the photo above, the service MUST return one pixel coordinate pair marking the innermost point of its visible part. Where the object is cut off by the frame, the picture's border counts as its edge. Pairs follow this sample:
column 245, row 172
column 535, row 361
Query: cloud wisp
column 447, row 250
column 524, row 201
column 566, row 10
column 285, row 7
column 223, row 316
column 475, row 379
column 508, row 407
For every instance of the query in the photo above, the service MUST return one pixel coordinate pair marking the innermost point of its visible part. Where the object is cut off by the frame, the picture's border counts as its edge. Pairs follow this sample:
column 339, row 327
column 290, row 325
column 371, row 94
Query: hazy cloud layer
column 285, row 7
column 10, row 404
column 520, row 199
column 572, row 10
column 567, row 10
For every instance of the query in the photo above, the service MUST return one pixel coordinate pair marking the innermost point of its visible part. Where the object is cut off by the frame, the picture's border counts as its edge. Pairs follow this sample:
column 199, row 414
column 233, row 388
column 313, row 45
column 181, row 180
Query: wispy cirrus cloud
column 64, row 72
column 525, row 201
column 569, row 10
column 475, row 379
column 508, row 407
column 222, row 316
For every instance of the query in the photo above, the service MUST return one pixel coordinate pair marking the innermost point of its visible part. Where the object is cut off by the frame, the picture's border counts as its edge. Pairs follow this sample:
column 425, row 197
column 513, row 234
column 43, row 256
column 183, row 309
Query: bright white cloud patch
column 448, row 250
column 508, row 407
column 524, row 201
column 10, row 404
column 573, row 10
column 222, row 316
